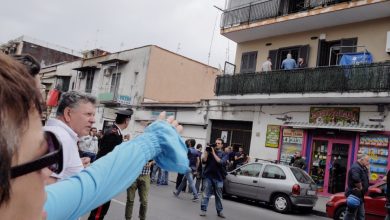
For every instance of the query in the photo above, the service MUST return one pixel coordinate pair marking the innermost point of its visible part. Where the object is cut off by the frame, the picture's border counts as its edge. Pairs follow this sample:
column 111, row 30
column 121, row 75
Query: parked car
column 281, row 186
column 374, row 203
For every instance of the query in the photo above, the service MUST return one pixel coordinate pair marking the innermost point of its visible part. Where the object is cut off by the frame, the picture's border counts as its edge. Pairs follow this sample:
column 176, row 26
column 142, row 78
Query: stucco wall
column 371, row 34
column 174, row 78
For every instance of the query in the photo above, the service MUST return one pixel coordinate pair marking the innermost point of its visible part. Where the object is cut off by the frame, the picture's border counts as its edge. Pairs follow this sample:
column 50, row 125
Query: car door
column 375, row 204
column 244, row 180
column 273, row 179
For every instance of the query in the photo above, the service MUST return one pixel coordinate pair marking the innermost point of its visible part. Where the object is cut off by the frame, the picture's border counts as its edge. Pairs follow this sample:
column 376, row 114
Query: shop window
column 252, row 170
column 248, row 62
column 273, row 172
column 375, row 146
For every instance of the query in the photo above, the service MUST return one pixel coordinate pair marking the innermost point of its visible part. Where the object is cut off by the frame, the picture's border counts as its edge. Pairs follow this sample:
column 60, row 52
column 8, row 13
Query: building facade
column 330, row 108
column 46, row 53
column 144, row 79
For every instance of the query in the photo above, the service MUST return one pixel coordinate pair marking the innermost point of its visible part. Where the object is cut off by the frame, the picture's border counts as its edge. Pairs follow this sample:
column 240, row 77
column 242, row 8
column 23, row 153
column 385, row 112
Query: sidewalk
column 320, row 208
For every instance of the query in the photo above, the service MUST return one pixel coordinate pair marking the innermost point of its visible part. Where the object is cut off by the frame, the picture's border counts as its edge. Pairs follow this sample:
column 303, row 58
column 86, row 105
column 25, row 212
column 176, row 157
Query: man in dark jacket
column 214, row 173
column 358, row 185
column 299, row 161
column 111, row 138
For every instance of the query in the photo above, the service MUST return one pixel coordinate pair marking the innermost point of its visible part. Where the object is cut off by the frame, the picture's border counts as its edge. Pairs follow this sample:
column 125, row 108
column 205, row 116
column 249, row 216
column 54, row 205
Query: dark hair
column 120, row 119
column 18, row 96
column 220, row 139
column 192, row 142
column 72, row 99
column 199, row 146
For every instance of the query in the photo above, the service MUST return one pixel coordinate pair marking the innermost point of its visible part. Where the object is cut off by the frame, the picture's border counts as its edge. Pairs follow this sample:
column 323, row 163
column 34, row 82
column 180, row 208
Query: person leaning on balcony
column 267, row 65
column 288, row 63
column 301, row 63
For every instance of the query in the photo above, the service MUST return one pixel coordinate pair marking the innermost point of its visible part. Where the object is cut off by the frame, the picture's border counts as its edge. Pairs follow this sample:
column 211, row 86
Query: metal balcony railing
column 269, row 9
column 360, row 78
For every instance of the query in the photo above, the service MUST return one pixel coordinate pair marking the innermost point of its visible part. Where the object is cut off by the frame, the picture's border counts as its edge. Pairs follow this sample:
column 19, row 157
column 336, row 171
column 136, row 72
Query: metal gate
column 238, row 133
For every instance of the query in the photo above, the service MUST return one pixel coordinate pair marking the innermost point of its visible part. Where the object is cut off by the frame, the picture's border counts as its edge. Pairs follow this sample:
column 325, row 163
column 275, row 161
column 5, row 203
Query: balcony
column 278, row 17
column 367, row 83
column 109, row 97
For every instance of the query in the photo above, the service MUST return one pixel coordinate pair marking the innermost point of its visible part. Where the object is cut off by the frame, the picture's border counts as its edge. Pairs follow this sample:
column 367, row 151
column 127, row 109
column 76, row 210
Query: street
column 164, row 206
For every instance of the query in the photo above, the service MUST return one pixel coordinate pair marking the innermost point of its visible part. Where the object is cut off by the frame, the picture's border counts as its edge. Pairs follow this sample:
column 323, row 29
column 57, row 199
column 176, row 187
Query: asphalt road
column 164, row 206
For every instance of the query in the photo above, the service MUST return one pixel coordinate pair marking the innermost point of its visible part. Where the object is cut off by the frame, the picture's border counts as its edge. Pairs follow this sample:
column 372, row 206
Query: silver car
column 281, row 186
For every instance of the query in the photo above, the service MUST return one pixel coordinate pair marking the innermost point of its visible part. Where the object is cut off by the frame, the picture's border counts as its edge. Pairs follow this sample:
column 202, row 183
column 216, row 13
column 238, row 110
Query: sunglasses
column 53, row 159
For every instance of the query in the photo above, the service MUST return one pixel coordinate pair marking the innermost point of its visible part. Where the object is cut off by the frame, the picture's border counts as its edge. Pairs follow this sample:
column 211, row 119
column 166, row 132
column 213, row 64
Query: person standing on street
column 193, row 157
column 88, row 145
column 111, row 138
column 299, row 161
column 142, row 184
column 358, row 186
column 214, row 173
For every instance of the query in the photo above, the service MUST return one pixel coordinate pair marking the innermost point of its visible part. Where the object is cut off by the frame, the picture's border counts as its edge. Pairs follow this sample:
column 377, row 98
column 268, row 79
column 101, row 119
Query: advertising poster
column 291, row 143
column 272, row 137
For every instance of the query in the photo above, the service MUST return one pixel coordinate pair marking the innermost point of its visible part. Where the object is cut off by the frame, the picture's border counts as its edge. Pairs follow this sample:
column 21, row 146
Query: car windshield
column 301, row 175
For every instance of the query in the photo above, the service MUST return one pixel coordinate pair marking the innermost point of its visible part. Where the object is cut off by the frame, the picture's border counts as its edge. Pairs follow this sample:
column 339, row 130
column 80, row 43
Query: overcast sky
column 183, row 26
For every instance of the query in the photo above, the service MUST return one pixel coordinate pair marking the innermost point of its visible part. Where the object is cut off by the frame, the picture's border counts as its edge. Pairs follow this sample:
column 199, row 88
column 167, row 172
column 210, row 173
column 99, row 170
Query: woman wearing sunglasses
column 28, row 156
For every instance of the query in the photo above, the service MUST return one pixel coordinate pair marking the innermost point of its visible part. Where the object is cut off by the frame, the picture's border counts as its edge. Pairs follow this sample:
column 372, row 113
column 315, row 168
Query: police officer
column 111, row 138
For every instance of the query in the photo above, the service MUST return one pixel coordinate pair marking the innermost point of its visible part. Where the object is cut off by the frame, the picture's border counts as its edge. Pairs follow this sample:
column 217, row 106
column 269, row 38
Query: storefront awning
column 347, row 127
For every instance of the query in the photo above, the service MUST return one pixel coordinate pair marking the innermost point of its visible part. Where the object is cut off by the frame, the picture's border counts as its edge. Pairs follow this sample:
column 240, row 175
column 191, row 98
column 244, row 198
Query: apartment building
column 331, row 108
column 148, row 79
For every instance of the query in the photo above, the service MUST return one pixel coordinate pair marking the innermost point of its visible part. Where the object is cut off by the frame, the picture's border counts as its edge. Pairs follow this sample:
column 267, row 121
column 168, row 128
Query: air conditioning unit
column 82, row 75
column 388, row 42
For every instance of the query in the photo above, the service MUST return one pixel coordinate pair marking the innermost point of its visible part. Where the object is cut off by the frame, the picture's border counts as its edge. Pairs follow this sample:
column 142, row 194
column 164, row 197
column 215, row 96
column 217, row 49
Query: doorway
column 329, row 164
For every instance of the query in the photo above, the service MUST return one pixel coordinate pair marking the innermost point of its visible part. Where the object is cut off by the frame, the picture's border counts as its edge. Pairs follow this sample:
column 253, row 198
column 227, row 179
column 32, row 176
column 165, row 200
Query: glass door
column 318, row 163
column 338, row 167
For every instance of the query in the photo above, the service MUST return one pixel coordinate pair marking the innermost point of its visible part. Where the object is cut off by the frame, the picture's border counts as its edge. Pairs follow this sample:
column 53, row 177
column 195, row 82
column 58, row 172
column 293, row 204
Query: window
column 115, row 80
column 301, row 175
column 89, row 75
column 252, row 170
column 273, row 172
column 248, row 62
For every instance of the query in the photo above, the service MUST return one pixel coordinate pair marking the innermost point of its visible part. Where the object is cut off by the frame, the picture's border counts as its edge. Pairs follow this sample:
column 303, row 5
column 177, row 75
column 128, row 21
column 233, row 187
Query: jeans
column 188, row 176
column 92, row 156
column 199, row 182
column 357, row 213
column 163, row 179
column 142, row 183
column 212, row 186
column 154, row 172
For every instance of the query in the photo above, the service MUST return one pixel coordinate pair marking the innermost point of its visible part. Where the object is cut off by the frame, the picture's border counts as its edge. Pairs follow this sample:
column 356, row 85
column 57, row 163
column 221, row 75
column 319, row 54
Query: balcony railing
column 269, row 9
column 360, row 78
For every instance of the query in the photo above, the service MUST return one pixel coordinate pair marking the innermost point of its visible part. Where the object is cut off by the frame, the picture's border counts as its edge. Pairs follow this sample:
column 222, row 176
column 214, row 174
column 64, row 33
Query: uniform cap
column 127, row 113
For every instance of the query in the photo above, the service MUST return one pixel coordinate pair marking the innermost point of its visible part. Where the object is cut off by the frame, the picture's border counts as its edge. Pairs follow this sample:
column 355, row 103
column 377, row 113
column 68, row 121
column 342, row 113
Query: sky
column 182, row 26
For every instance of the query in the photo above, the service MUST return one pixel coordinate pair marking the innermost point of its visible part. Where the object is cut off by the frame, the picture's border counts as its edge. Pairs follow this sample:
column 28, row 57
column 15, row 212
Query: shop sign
column 372, row 140
column 272, row 136
column 334, row 115
column 292, row 132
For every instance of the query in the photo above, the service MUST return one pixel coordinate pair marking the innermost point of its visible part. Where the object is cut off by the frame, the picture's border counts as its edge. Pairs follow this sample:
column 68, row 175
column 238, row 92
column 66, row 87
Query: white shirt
column 266, row 66
column 68, row 139
column 89, row 144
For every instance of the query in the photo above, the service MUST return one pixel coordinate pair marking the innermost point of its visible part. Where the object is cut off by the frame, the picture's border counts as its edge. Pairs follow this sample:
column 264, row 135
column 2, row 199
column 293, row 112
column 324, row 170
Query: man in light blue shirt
column 288, row 63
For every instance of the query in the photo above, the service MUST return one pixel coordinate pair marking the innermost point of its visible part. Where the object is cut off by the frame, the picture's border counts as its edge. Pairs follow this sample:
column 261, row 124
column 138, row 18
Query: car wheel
column 340, row 213
column 281, row 203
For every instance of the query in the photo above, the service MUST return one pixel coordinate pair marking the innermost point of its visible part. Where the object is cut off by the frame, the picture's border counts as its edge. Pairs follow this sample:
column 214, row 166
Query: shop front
column 330, row 147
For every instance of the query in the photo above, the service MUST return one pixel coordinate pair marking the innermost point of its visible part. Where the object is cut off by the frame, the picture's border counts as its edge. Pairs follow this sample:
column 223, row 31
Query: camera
column 209, row 146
